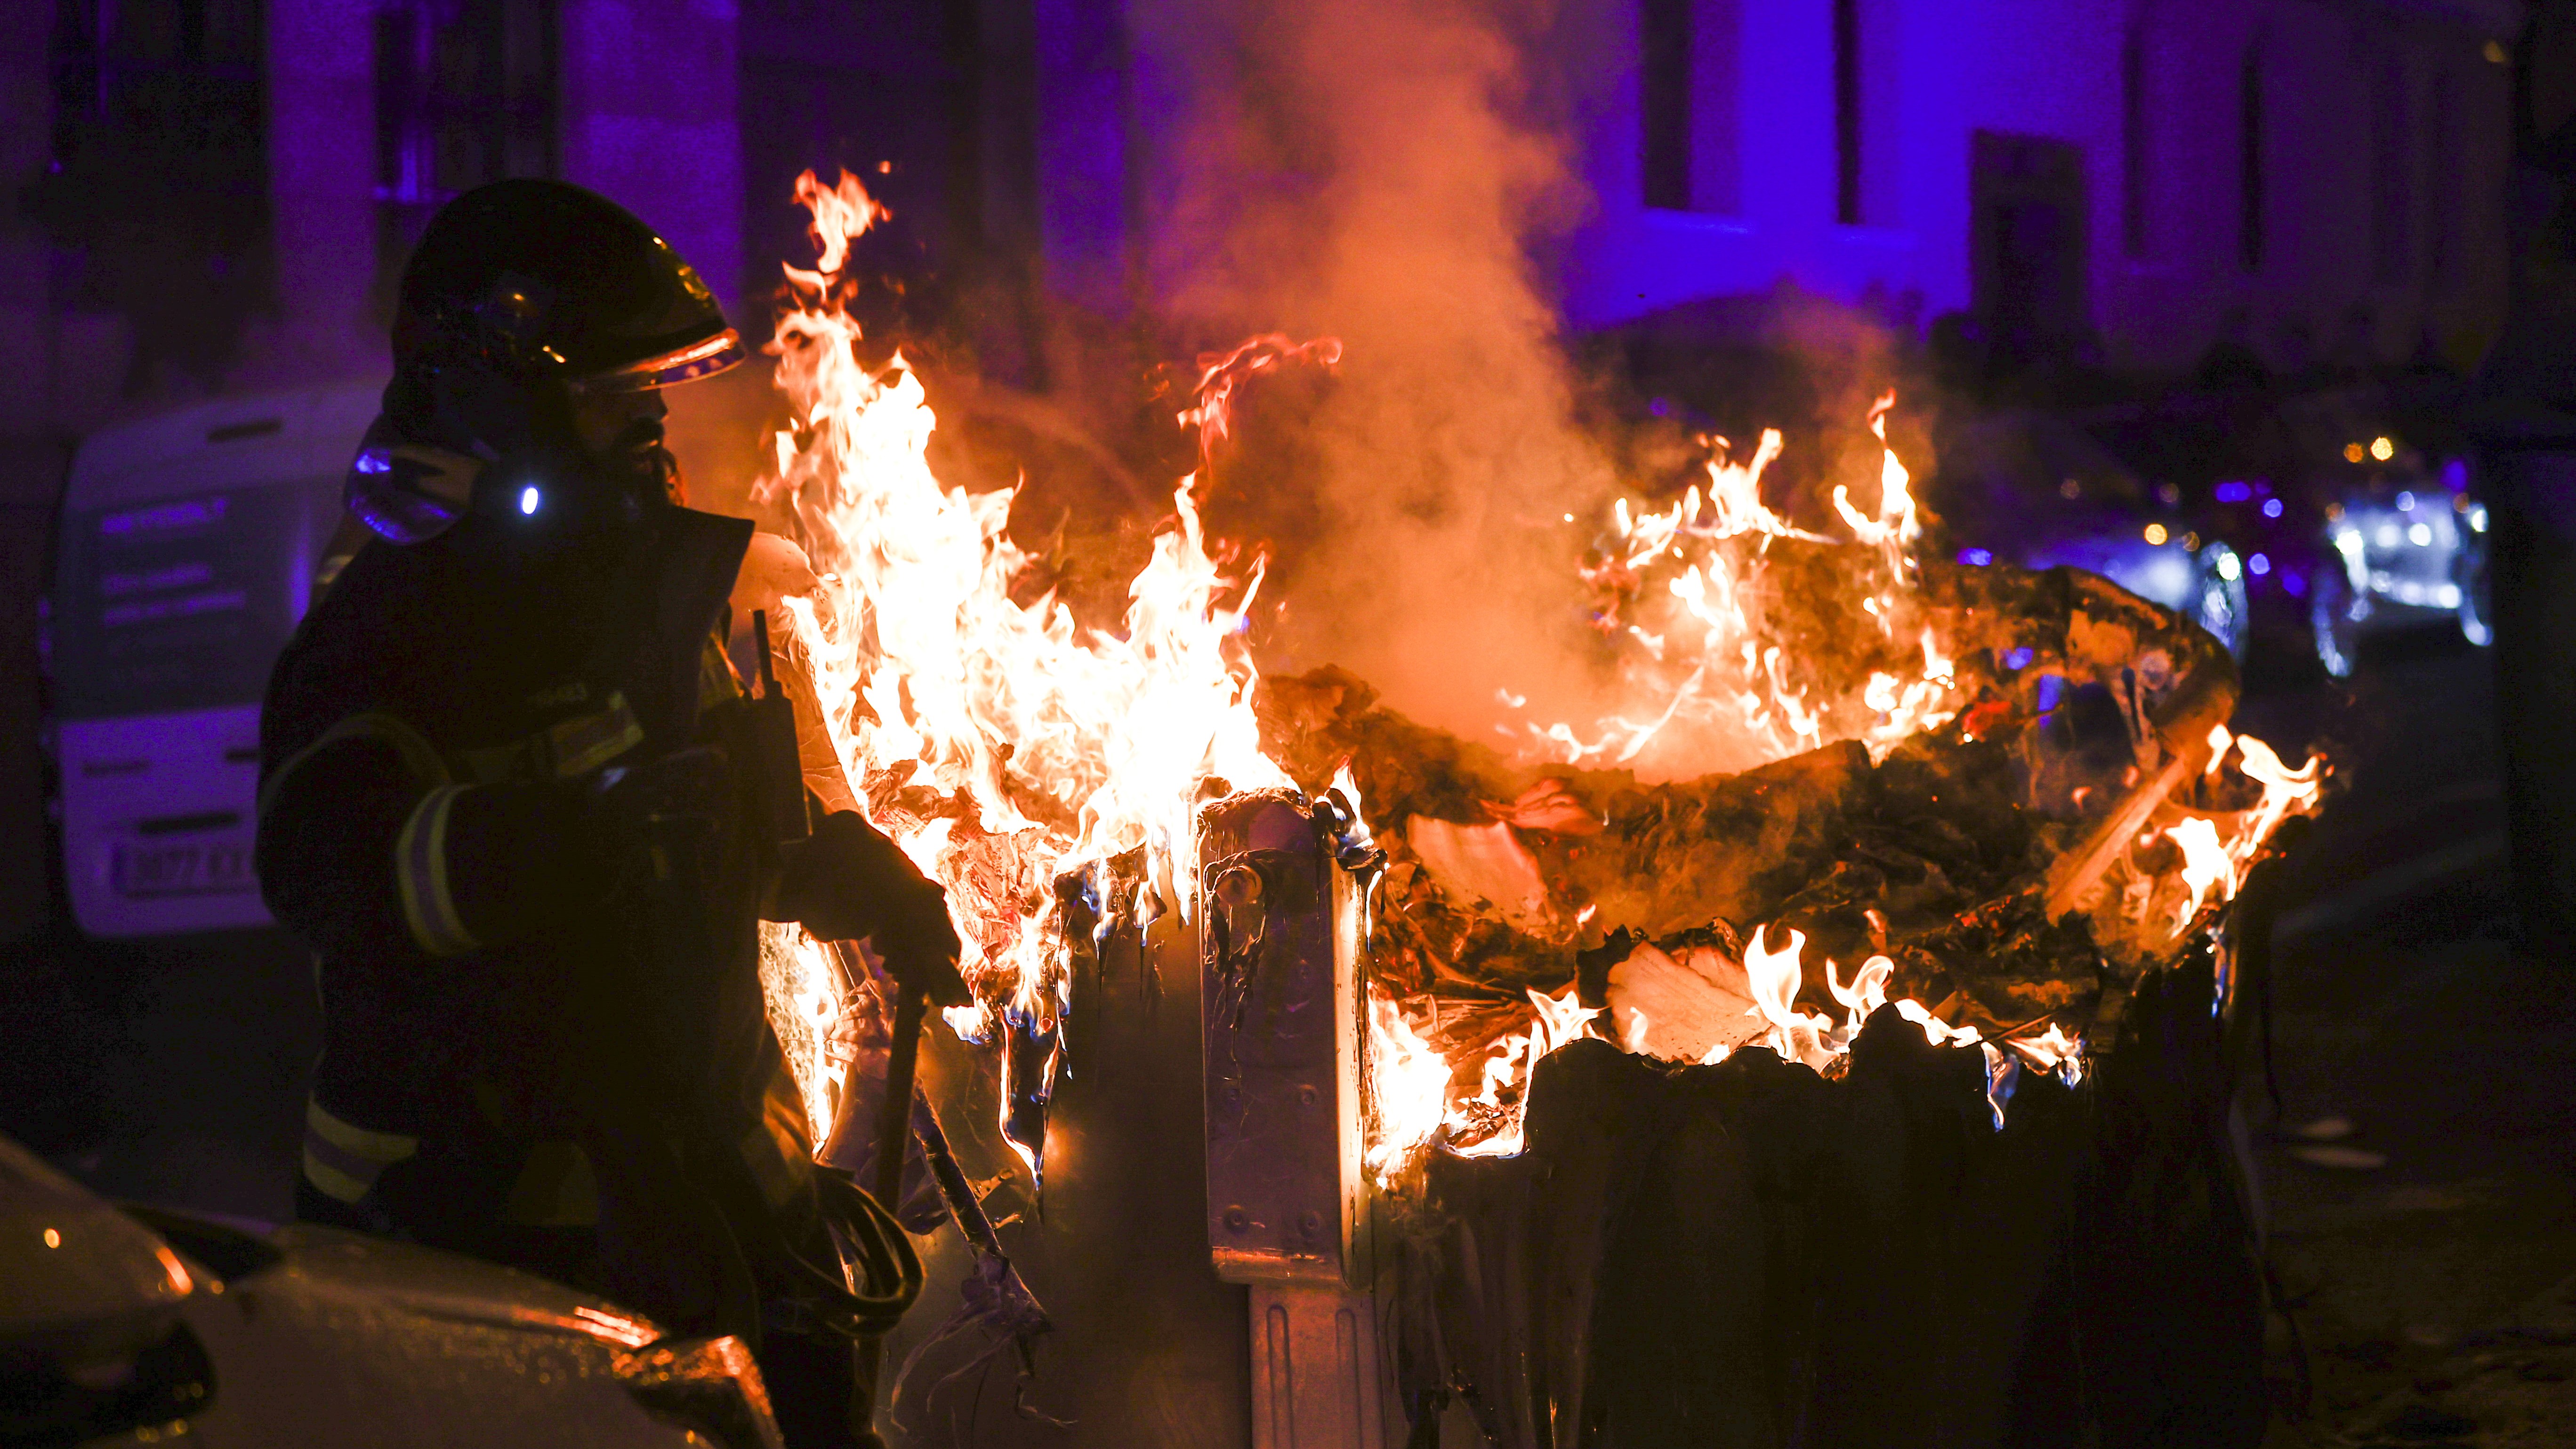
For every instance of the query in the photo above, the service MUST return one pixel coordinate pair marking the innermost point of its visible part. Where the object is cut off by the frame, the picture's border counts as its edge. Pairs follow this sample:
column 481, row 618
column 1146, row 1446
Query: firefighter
column 498, row 801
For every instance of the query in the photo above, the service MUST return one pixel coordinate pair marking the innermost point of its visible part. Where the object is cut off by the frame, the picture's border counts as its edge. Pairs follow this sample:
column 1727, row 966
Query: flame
column 1409, row 1085
column 1896, row 526
column 1776, row 977
column 1492, row 1118
column 1414, row 1084
column 2205, row 863
column 1698, row 644
column 1867, row 992
column 2285, row 792
column 2216, row 855
column 841, row 216
column 2053, row 1051
column 1633, row 1041
column 1710, row 635
column 999, row 743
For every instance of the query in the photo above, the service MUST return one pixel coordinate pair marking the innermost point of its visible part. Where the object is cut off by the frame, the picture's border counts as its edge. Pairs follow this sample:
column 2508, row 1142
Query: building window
column 1866, row 139
column 465, row 94
column 2133, row 140
column 156, row 192
column 2392, row 189
column 2249, row 164
column 1688, row 95
column 1847, row 112
column 1665, row 82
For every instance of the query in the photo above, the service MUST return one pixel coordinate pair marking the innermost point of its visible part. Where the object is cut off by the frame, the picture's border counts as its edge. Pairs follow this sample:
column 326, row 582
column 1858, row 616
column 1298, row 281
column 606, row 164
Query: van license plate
column 181, row 868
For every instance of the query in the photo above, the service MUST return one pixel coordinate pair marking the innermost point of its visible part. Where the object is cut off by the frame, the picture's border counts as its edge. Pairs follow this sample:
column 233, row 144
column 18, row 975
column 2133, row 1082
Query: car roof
column 230, row 442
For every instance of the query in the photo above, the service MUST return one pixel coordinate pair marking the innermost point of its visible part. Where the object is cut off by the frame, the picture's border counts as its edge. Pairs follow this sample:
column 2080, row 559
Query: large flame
column 1000, row 743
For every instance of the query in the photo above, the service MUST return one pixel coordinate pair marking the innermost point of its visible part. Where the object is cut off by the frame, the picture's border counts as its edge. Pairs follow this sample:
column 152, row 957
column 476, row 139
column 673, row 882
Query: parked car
column 137, row 1325
column 189, row 546
column 2308, row 518
column 2408, row 536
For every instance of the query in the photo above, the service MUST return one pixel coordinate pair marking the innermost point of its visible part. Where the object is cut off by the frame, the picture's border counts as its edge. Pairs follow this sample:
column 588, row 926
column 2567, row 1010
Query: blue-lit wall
column 1936, row 71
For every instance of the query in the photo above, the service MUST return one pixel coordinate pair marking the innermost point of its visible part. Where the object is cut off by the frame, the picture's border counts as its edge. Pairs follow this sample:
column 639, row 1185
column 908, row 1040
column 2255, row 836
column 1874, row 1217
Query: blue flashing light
column 2017, row 659
column 2258, row 565
column 2052, row 687
column 2234, row 491
column 2292, row 584
column 528, row 500
column 374, row 461
column 1977, row 558
column 2271, row 508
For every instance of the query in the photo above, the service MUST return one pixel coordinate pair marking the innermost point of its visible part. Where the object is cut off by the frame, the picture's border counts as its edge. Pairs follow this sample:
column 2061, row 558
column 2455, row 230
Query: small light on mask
column 527, row 500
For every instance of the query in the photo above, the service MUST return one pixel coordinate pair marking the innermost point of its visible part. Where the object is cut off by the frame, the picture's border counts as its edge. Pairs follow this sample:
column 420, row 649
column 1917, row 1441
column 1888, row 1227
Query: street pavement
column 2420, row 1175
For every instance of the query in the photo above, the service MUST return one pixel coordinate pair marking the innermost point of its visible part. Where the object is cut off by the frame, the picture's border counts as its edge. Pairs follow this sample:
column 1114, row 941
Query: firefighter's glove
column 662, row 819
column 848, row 880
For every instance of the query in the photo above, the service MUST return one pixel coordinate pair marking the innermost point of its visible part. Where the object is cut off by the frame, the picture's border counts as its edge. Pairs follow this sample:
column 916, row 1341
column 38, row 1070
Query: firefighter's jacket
column 519, row 1031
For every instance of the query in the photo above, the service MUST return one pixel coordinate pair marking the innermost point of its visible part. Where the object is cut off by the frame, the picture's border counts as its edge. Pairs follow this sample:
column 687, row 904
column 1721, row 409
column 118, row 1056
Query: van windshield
column 181, row 603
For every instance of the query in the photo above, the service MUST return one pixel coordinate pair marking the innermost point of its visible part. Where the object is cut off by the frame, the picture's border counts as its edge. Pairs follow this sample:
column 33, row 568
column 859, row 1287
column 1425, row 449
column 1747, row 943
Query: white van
column 189, row 548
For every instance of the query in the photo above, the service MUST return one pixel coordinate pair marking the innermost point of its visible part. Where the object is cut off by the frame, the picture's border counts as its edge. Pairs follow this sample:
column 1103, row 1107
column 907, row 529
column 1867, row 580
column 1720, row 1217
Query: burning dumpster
column 1337, row 1080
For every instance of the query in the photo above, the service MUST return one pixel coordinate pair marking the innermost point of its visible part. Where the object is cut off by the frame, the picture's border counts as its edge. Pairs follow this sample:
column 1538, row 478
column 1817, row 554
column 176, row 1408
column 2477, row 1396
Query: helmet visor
column 686, row 364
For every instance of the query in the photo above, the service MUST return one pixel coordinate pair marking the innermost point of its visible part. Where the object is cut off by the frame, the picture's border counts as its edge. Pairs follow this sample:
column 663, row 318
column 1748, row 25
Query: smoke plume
column 1378, row 171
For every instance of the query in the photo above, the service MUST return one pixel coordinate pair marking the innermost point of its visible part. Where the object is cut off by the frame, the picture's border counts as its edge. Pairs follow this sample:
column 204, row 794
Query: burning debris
column 1962, row 872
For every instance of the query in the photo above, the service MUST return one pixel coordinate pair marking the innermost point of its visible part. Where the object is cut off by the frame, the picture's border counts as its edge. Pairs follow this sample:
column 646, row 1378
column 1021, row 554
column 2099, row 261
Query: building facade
column 2143, row 177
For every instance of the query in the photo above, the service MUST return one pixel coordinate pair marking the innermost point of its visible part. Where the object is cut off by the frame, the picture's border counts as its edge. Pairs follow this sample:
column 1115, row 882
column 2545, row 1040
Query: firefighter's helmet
column 522, row 295
column 557, row 281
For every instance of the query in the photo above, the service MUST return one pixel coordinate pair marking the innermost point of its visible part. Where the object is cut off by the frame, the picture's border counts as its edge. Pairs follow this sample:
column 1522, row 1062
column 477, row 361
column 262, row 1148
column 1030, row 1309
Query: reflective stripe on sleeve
column 419, row 758
column 344, row 1160
column 420, row 869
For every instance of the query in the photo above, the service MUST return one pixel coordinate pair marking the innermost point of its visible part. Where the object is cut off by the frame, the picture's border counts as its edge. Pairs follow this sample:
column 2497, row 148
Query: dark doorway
column 2026, row 244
